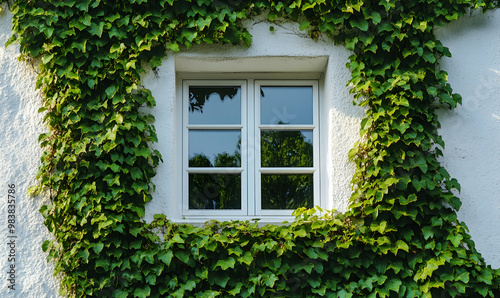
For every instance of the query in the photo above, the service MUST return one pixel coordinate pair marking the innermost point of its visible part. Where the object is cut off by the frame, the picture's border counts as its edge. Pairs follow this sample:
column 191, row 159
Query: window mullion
column 185, row 146
column 251, row 148
column 316, row 145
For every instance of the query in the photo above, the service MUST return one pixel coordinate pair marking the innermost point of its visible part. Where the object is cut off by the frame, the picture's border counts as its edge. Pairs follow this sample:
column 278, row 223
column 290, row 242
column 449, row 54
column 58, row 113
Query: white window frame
column 250, row 130
column 285, row 170
column 185, row 155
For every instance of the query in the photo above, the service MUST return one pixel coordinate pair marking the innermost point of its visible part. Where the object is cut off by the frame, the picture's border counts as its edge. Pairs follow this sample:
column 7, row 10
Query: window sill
column 262, row 221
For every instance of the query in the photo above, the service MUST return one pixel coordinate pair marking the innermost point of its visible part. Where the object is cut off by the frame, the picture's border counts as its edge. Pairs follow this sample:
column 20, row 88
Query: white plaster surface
column 20, row 125
column 471, row 132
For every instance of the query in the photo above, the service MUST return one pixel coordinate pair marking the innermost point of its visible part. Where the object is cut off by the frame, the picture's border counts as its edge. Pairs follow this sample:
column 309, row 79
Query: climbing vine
column 401, row 236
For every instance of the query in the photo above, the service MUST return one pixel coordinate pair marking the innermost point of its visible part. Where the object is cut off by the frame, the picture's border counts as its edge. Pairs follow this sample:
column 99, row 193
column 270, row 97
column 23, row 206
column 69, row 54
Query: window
column 250, row 147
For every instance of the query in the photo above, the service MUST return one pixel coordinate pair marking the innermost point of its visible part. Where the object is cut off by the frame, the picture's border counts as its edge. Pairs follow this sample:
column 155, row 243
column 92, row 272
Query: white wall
column 470, row 132
column 20, row 125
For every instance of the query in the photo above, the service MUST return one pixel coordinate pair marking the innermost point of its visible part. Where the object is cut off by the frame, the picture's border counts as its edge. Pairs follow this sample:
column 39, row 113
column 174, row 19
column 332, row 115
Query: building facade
column 281, row 56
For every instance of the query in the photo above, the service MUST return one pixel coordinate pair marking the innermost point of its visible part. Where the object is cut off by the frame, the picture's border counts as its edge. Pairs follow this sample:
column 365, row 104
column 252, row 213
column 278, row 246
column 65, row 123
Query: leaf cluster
column 401, row 236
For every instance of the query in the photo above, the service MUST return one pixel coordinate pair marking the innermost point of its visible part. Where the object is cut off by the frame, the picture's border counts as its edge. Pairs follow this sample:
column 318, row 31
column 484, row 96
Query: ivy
column 400, row 237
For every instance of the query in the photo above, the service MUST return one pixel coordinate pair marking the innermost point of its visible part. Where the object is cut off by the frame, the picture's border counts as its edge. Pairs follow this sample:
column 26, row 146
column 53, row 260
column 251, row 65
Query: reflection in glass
column 285, row 191
column 214, row 148
column 286, row 105
column 286, row 148
column 214, row 191
column 214, row 105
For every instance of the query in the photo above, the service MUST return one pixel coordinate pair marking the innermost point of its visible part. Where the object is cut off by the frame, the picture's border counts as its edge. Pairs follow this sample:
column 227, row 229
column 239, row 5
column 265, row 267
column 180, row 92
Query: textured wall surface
column 20, row 125
column 470, row 133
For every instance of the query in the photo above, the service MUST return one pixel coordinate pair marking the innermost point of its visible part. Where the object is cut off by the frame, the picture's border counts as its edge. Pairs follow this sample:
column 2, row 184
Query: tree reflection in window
column 215, row 190
column 278, row 191
column 286, row 148
column 287, row 191
column 200, row 95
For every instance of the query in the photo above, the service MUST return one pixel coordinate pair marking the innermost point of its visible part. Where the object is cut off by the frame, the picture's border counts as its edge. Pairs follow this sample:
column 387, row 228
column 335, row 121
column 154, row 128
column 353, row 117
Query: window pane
column 286, row 105
column 214, row 148
column 286, row 148
column 214, row 191
column 214, row 105
column 285, row 191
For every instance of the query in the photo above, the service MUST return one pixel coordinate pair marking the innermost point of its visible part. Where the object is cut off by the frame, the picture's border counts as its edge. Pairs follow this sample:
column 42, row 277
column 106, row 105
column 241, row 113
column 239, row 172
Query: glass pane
column 287, row 191
column 286, row 105
column 214, row 148
column 214, row 191
column 286, row 148
column 214, row 105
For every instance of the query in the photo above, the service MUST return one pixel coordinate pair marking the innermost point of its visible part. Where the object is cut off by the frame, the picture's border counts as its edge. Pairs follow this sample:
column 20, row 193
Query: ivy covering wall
column 400, row 237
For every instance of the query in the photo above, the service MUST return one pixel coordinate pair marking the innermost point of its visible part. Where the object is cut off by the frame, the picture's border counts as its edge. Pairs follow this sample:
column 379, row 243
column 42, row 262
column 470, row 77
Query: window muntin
column 264, row 164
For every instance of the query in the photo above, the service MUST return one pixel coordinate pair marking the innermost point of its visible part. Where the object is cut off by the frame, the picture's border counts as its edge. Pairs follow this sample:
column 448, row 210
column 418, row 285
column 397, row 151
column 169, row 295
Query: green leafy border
column 401, row 236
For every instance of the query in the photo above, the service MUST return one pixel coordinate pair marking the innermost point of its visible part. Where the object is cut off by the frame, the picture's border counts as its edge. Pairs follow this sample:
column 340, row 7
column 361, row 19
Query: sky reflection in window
column 214, row 105
column 214, row 148
column 286, row 105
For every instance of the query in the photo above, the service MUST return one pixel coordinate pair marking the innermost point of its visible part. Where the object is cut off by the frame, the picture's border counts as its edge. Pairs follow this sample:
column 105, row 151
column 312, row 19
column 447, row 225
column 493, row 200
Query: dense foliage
column 401, row 236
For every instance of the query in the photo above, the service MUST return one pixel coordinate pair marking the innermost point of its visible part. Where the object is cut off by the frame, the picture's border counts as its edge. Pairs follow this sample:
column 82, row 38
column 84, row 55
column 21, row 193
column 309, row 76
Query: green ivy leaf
column 142, row 292
column 394, row 284
column 189, row 34
column 376, row 17
column 80, row 45
column 247, row 258
column 111, row 91
column 226, row 263
column 98, row 247
column 455, row 239
column 46, row 244
column 136, row 173
column 361, row 24
column 304, row 25
column 165, row 256
column 183, row 256
column 429, row 57
column 220, row 279
column 96, row 29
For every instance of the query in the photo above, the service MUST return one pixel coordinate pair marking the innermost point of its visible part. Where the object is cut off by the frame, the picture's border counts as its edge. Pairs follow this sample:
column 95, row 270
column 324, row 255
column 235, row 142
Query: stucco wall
column 20, row 125
column 470, row 133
